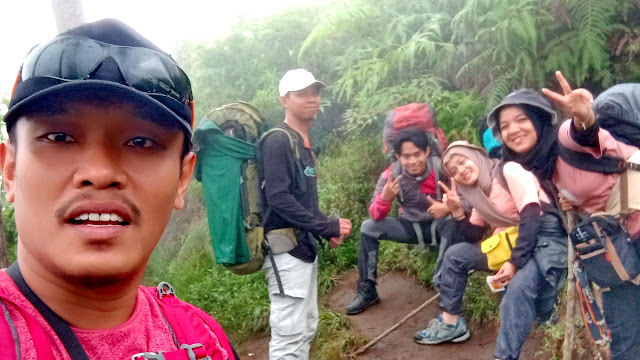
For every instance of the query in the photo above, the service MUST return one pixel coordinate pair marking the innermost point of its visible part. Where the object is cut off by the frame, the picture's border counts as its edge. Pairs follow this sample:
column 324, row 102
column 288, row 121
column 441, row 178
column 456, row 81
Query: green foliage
column 344, row 190
column 493, row 46
column 334, row 340
column 247, row 64
column 238, row 303
column 581, row 50
column 479, row 304
column 10, row 231
column 6, row 208
column 345, row 182
column 376, row 55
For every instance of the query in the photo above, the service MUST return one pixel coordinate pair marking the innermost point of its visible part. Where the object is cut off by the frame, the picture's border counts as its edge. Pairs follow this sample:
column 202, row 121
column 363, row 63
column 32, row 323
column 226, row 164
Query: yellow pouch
column 498, row 247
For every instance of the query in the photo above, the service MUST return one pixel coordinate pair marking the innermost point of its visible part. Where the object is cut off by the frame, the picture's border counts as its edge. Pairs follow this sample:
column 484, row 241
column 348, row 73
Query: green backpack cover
column 226, row 144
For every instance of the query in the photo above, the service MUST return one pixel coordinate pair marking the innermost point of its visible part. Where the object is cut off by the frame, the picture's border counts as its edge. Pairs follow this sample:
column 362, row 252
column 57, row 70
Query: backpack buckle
column 165, row 289
column 149, row 356
column 632, row 166
column 191, row 354
column 622, row 164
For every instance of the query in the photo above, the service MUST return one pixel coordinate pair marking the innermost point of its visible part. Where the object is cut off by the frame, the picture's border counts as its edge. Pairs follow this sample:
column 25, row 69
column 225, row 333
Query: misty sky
column 25, row 23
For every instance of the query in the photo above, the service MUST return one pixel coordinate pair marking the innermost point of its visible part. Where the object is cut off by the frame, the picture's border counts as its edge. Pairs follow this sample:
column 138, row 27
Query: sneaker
column 439, row 332
column 365, row 297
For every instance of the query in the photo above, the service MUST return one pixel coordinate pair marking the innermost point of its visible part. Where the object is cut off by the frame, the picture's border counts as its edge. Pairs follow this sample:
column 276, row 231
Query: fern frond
column 337, row 20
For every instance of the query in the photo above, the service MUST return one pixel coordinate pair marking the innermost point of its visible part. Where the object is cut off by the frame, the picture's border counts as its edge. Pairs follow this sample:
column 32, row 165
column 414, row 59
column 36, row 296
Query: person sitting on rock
column 418, row 210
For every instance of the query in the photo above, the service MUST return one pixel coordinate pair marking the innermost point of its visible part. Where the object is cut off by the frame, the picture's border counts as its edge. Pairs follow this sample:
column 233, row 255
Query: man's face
column 93, row 190
column 303, row 104
column 413, row 158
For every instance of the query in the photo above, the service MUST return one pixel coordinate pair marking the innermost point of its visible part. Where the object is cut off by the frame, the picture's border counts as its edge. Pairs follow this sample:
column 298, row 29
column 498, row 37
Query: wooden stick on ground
column 397, row 325
column 569, row 330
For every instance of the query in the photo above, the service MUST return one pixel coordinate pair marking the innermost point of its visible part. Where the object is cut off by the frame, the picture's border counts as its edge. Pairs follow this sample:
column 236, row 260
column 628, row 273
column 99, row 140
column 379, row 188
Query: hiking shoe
column 439, row 332
column 365, row 297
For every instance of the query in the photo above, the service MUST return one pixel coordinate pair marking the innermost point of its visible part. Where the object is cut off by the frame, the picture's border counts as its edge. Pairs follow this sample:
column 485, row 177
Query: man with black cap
column 292, row 197
column 99, row 128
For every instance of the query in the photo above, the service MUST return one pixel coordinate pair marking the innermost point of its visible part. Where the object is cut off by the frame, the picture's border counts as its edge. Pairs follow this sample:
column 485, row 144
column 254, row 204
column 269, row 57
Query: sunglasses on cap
column 70, row 58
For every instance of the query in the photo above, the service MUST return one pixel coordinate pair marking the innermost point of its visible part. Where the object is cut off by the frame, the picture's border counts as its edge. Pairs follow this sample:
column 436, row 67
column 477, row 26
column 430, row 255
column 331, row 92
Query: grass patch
column 334, row 339
column 239, row 303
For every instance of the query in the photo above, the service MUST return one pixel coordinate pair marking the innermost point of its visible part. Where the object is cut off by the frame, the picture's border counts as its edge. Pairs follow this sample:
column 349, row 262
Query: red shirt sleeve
column 379, row 209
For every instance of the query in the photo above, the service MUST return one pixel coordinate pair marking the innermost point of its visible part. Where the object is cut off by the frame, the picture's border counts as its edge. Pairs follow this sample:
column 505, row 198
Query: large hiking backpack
column 227, row 145
column 618, row 110
column 197, row 334
column 226, row 165
column 422, row 116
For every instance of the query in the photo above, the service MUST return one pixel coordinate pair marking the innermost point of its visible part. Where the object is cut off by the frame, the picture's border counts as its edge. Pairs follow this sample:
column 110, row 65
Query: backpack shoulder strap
column 293, row 139
column 580, row 160
column 59, row 325
column 501, row 178
column 396, row 170
column 187, row 323
column 295, row 148
column 437, row 169
column 8, row 336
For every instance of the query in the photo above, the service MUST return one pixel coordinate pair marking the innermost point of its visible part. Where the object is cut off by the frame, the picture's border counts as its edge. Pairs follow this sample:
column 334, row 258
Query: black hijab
column 541, row 159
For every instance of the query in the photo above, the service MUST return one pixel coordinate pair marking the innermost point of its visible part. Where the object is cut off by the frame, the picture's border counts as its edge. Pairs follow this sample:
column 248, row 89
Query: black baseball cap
column 103, row 61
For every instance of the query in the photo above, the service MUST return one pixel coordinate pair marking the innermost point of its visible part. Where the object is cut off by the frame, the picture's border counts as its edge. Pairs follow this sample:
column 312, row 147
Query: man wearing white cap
column 292, row 199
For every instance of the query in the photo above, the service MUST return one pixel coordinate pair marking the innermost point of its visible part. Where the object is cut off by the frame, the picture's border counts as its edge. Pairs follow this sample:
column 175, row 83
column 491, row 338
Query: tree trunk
column 569, row 333
column 68, row 14
column 4, row 258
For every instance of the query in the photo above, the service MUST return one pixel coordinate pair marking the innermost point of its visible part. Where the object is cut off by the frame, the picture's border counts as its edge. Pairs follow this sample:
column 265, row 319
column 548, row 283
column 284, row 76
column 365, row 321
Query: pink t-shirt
column 524, row 189
column 145, row 331
column 592, row 189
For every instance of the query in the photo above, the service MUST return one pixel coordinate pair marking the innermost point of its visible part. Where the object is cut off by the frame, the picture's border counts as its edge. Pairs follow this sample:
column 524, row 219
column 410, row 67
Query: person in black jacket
column 290, row 188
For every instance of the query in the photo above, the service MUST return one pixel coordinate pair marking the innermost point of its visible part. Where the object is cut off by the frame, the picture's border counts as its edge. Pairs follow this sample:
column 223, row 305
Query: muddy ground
column 400, row 295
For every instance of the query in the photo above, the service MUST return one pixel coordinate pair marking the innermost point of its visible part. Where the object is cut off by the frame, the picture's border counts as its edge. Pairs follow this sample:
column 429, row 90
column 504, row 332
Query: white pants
column 294, row 315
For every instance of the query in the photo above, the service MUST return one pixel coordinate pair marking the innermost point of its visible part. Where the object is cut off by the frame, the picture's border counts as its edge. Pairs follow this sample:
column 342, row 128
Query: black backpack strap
column 59, row 325
column 295, row 148
column 396, row 170
column 275, row 271
column 584, row 161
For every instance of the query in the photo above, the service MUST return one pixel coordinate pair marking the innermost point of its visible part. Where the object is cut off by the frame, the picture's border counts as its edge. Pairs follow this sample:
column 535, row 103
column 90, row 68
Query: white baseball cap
column 295, row 80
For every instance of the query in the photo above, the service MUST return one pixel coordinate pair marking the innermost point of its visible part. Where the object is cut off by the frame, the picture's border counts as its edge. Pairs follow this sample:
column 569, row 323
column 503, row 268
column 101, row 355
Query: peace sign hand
column 575, row 102
column 391, row 189
column 452, row 199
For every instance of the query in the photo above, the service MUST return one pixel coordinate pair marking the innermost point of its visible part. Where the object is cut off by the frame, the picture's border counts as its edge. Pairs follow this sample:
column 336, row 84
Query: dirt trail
column 400, row 295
